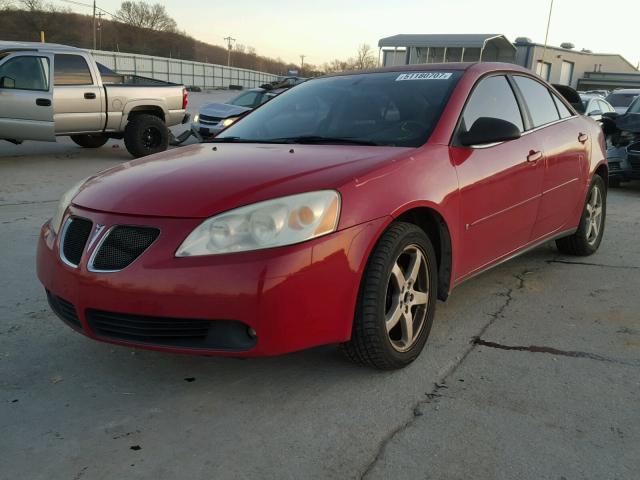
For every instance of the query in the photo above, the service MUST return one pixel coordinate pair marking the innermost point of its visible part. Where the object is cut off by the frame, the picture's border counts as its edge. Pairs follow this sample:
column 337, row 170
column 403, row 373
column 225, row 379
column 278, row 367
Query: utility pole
column 229, row 39
column 100, row 15
column 94, row 24
column 546, row 38
column 302, row 57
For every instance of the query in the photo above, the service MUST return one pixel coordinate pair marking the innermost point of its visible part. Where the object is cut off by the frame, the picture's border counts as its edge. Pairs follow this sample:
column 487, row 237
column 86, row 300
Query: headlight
column 274, row 223
column 196, row 119
column 228, row 121
column 63, row 204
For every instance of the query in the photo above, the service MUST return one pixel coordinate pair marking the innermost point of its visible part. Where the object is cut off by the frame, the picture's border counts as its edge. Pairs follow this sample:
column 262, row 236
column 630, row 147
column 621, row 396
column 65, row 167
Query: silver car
column 622, row 98
column 212, row 118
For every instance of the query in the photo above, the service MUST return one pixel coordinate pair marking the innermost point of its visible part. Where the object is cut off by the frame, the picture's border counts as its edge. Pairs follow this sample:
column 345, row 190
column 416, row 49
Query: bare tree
column 145, row 15
column 364, row 58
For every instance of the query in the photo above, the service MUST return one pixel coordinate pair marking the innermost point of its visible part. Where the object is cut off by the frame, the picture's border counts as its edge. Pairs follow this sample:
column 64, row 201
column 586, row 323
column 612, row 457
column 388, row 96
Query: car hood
column 222, row 110
column 205, row 179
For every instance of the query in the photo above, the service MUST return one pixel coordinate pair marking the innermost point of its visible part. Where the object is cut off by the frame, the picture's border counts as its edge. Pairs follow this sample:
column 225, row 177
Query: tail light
column 185, row 98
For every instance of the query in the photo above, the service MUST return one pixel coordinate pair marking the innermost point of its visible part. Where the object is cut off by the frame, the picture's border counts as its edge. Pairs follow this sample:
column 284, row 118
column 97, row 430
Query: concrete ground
column 532, row 371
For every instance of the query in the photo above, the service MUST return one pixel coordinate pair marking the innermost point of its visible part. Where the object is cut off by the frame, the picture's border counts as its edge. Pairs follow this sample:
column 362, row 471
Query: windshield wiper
column 318, row 139
column 237, row 140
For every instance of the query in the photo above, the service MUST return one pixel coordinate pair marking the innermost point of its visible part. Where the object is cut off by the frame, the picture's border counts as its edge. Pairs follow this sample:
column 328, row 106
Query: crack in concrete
column 433, row 395
column 588, row 264
column 555, row 351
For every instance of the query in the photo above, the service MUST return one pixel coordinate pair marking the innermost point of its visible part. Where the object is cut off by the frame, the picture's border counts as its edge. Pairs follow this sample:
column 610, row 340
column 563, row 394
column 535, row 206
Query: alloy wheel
column 594, row 215
column 407, row 298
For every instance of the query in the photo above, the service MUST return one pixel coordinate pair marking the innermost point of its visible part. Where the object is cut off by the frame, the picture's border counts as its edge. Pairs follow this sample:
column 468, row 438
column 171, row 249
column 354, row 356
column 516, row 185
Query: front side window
column 25, row 73
column 392, row 109
column 538, row 98
column 494, row 98
column 71, row 70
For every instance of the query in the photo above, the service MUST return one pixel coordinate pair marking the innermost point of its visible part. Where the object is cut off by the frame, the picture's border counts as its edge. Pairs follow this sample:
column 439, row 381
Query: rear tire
column 590, row 231
column 396, row 301
column 145, row 135
column 90, row 141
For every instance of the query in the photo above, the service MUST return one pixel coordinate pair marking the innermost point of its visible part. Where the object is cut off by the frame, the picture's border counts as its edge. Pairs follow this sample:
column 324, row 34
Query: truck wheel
column 397, row 300
column 587, row 238
column 90, row 141
column 146, row 135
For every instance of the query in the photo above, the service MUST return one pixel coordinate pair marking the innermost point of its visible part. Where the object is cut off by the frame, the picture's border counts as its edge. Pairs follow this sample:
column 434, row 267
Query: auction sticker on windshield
column 424, row 76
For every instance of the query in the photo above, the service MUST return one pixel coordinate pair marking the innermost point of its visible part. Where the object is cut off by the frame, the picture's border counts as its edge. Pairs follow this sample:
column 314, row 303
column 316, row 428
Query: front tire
column 590, row 231
column 90, row 141
column 145, row 135
column 396, row 301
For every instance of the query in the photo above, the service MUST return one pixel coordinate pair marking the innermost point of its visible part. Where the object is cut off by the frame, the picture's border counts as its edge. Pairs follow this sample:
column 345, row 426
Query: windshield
column 621, row 99
column 394, row 109
column 247, row 99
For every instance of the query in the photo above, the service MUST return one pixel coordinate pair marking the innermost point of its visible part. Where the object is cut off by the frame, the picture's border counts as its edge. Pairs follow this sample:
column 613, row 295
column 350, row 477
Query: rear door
column 565, row 146
column 500, row 184
column 26, row 97
column 78, row 95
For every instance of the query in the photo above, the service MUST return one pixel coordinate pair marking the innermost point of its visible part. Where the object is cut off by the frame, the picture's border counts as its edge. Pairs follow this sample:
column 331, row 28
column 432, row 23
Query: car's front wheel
column 590, row 231
column 396, row 301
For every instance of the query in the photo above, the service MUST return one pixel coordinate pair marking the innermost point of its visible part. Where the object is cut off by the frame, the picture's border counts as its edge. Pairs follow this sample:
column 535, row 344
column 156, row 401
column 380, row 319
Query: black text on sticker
column 424, row 76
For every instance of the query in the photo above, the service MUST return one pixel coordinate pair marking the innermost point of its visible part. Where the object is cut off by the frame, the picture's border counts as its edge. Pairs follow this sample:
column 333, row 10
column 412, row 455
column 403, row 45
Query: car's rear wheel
column 90, row 141
column 589, row 235
column 396, row 301
column 145, row 135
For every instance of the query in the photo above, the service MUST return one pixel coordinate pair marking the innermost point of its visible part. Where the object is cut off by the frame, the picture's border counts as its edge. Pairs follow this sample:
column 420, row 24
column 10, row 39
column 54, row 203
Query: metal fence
column 204, row 75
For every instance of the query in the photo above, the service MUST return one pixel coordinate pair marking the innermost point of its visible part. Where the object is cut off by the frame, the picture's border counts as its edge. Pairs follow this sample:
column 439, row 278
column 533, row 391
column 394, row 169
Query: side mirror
column 611, row 115
column 7, row 82
column 489, row 130
column 593, row 113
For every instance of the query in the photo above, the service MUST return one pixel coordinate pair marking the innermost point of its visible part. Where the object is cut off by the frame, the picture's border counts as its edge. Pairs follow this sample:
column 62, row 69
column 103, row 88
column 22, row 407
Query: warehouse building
column 564, row 65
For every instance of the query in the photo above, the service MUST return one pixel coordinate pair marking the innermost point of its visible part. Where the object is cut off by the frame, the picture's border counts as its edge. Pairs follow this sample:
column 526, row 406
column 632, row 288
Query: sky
column 333, row 29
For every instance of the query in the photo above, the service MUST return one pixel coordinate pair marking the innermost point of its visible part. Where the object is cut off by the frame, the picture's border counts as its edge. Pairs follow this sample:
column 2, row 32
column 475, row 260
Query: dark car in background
column 621, row 99
column 623, row 155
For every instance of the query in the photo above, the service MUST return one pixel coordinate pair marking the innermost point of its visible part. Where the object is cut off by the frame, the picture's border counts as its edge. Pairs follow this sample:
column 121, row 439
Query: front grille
column 209, row 120
column 634, row 160
column 65, row 310
column 74, row 239
column 171, row 332
column 122, row 245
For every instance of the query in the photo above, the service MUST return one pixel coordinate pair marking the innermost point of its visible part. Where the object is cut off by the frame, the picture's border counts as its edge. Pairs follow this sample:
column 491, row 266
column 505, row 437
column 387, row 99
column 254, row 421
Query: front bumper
column 205, row 131
column 290, row 298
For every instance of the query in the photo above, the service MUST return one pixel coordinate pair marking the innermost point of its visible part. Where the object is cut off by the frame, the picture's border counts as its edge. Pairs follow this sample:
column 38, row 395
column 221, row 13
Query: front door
column 500, row 185
column 26, row 97
column 78, row 96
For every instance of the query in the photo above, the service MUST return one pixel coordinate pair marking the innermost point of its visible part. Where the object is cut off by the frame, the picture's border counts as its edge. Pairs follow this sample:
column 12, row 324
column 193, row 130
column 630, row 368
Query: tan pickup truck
column 49, row 90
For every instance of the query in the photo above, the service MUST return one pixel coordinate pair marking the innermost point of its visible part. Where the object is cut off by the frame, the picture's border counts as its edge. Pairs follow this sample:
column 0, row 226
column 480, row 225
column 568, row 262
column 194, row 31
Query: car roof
column 38, row 47
column 635, row 91
column 479, row 67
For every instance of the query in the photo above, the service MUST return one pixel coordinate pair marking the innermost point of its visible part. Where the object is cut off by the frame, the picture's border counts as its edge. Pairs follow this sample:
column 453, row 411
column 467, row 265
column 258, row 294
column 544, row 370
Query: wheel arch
column 436, row 228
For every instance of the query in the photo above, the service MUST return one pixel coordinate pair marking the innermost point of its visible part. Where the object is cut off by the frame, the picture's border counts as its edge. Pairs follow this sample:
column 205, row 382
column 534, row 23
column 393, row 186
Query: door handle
column 43, row 102
column 583, row 137
column 534, row 156
column 90, row 96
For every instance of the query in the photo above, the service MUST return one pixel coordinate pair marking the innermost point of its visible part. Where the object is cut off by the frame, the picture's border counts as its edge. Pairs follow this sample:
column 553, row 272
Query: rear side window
column 541, row 105
column 25, row 73
column 492, row 97
column 562, row 109
column 71, row 70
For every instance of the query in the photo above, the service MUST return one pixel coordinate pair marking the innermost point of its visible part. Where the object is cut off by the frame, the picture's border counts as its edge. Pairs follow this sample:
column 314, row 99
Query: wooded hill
column 75, row 29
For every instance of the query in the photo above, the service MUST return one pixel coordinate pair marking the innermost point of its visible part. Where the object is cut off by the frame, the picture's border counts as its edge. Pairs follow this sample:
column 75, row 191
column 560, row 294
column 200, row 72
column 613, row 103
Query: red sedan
column 339, row 212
